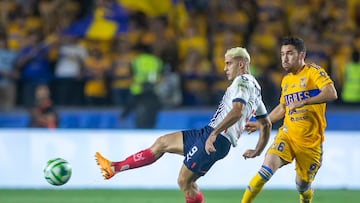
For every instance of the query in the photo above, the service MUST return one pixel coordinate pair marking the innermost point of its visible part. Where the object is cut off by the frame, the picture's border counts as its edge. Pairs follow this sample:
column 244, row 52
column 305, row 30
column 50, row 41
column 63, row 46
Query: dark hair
column 297, row 42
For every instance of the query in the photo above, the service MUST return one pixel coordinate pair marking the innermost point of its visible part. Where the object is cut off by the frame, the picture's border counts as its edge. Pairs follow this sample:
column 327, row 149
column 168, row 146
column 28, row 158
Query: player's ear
column 241, row 63
column 302, row 54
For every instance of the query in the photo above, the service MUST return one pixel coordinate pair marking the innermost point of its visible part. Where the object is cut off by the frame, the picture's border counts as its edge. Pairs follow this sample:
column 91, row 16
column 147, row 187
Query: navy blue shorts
column 196, row 158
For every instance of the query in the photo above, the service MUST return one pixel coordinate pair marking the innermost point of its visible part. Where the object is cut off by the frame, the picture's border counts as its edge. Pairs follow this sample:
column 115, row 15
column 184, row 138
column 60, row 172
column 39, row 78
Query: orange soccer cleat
column 105, row 166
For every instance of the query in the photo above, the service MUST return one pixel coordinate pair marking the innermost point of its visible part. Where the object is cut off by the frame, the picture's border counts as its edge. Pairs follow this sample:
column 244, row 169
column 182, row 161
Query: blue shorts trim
column 196, row 158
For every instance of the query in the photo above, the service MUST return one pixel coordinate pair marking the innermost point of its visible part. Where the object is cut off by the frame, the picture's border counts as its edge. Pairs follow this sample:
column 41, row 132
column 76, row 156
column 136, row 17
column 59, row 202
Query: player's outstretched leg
column 139, row 159
column 172, row 143
column 106, row 169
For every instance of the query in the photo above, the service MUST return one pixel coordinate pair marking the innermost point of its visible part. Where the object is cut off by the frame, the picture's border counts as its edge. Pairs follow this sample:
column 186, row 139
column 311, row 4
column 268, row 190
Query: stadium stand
column 206, row 27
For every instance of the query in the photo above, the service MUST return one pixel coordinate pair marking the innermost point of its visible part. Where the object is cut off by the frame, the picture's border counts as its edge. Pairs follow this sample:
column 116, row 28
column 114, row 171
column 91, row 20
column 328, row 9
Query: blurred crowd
column 166, row 53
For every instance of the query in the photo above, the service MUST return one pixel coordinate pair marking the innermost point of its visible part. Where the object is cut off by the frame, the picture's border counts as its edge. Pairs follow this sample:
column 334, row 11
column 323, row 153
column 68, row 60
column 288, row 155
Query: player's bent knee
column 188, row 188
column 183, row 184
column 160, row 144
column 180, row 181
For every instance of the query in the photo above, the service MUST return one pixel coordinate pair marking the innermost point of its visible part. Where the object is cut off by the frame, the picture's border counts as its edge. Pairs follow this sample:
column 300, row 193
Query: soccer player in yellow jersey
column 305, row 90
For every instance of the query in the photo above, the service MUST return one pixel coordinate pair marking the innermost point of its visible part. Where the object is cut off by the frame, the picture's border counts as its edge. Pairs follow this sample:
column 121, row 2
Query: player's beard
column 288, row 67
column 291, row 67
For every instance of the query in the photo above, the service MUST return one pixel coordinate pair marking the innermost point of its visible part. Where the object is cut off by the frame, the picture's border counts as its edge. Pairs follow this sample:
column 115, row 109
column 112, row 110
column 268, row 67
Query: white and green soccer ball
column 57, row 171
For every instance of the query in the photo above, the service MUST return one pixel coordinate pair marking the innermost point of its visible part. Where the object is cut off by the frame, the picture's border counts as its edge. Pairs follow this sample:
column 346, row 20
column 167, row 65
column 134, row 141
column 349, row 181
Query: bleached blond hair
column 238, row 52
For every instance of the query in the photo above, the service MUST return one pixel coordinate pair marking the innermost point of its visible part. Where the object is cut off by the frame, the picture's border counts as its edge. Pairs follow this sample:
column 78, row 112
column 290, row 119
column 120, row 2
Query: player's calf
column 306, row 192
column 257, row 183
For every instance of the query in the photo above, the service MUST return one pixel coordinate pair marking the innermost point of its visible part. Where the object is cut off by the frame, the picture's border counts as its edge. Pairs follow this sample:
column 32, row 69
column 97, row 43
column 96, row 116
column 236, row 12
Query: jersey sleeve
column 320, row 77
column 261, row 111
column 282, row 99
column 241, row 90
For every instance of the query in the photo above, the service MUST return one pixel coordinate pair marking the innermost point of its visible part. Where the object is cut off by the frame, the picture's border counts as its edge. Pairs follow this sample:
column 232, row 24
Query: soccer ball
column 57, row 171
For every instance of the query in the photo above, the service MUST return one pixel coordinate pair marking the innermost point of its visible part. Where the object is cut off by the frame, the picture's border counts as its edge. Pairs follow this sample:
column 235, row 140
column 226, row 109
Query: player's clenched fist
column 209, row 145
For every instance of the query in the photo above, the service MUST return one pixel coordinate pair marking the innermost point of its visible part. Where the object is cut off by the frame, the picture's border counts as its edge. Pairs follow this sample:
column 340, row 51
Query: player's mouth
column 285, row 64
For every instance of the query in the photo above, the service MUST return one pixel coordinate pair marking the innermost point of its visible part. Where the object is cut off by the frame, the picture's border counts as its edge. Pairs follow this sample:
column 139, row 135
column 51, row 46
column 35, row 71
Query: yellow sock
column 256, row 184
column 306, row 197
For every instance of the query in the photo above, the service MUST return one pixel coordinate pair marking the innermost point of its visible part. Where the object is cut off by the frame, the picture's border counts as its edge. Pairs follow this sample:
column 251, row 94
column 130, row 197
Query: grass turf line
column 164, row 196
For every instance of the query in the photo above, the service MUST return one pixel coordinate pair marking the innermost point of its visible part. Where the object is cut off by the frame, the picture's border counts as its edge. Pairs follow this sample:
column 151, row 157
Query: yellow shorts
column 308, row 160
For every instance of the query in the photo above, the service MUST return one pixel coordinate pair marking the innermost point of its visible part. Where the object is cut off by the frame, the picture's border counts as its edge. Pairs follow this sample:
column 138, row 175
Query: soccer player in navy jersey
column 201, row 148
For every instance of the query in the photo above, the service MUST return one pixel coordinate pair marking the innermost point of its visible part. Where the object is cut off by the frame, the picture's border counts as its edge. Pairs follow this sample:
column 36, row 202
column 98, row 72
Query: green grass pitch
column 165, row 196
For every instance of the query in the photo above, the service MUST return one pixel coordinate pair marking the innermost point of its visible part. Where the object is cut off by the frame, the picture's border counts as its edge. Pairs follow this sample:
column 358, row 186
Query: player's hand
column 209, row 144
column 292, row 108
column 294, row 105
column 250, row 153
column 251, row 127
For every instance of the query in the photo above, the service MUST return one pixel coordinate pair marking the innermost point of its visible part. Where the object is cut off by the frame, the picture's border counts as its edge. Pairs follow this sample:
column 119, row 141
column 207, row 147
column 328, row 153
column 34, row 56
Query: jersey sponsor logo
column 299, row 111
column 243, row 86
column 298, row 96
column 299, row 118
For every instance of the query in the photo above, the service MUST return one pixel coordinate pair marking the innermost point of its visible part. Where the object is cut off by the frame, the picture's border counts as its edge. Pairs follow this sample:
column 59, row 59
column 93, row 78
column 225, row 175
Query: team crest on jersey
column 286, row 87
column 302, row 82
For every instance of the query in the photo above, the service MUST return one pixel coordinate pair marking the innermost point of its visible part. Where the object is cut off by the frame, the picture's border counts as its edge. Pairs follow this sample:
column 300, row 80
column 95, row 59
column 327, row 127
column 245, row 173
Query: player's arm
column 327, row 93
column 265, row 128
column 229, row 120
column 276, row 114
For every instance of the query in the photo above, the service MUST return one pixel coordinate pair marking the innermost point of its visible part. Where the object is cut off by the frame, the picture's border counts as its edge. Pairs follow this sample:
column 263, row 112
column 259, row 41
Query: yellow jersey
column 306, row 126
